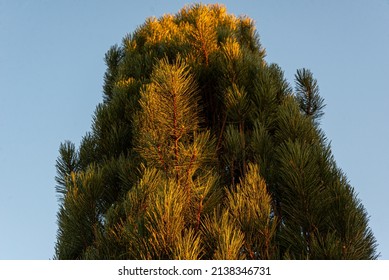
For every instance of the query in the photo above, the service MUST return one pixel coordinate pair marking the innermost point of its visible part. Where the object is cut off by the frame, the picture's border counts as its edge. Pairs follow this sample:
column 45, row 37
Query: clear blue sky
column 51, row 75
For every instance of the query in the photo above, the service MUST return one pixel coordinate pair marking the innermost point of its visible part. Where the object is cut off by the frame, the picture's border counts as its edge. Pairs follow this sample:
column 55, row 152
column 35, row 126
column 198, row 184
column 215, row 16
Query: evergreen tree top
column 198, row 33
column 201, row 150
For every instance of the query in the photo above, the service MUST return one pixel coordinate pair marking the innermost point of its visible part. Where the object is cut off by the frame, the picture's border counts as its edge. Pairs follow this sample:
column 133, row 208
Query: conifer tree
column 200, row 149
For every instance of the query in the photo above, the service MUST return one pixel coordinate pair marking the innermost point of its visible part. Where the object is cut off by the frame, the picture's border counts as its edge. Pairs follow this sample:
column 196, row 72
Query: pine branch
column 308, row 97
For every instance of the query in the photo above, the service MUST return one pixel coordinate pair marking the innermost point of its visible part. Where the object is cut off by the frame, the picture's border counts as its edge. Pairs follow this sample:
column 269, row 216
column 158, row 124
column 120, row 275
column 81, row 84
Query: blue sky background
column 51, row 76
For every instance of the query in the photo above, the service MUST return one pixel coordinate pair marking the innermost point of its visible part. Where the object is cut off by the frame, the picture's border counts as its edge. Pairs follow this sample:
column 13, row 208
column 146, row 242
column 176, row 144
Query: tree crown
column 202, row 150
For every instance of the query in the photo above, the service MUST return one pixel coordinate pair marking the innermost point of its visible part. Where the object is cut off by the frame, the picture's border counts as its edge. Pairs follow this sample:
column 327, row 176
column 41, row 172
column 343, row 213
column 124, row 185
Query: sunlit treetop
column 203, row 150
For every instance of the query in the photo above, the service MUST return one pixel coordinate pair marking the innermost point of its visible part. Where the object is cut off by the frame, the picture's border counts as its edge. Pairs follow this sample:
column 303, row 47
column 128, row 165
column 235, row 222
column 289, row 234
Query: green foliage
column 67, row 164
column 250, row 205
column 80, row 215
column 311, row 103
column 200, row 149
column 112, row 60
column 223, row 239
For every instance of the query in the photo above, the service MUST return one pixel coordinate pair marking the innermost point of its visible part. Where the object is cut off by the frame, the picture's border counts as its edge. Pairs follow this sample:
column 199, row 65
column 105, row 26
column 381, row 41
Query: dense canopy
column 202, row 150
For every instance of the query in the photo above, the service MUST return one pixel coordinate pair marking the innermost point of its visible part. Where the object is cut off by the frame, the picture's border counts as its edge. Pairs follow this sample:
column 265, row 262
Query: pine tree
column 200, row 149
